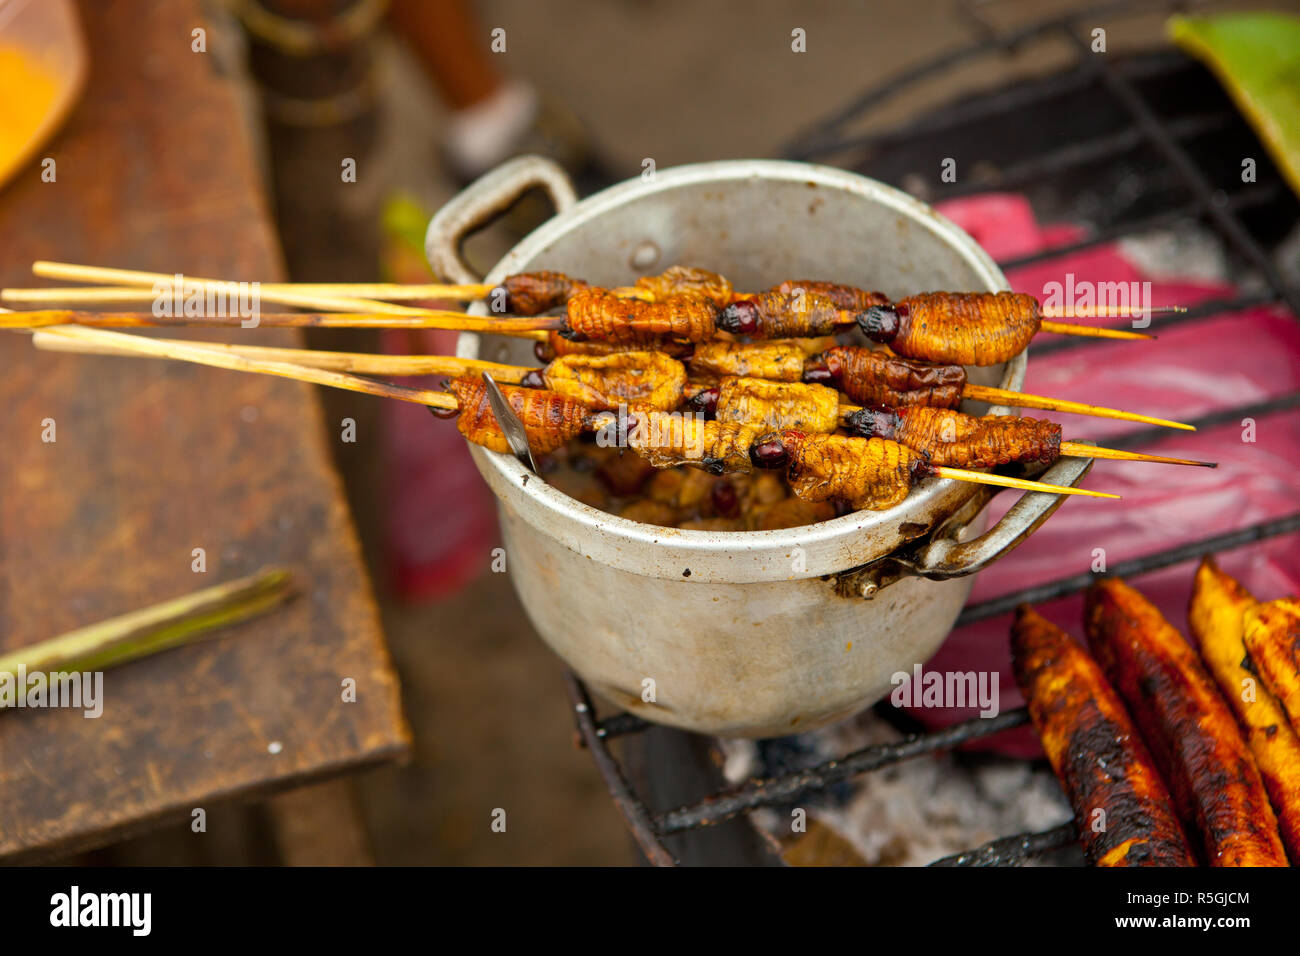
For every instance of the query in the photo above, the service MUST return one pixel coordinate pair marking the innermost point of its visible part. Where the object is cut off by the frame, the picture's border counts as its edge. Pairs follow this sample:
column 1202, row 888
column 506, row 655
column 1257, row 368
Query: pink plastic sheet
column 439, row 517
column 1191, row 370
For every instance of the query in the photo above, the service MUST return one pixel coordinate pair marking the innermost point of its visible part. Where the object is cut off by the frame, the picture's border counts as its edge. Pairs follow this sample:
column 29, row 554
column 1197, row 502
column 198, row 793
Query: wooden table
column 153, row 460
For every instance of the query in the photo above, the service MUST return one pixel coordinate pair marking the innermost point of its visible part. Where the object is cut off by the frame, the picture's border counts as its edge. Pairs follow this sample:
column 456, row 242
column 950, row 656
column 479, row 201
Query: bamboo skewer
column 367, row 363
column 344, row 297
column 362, row 363
column 532, row 328
column 1074, row 449
column 984, row 478
column 1090, row 331
column 374, row 293
column 1001, row 396
column 372, row 364
column 65, row 296
column 123, row 343
column 185, row 351
column 372, row 290
column 347, row 311
column 280, row 295
column 407, row 319
column 1099, row 312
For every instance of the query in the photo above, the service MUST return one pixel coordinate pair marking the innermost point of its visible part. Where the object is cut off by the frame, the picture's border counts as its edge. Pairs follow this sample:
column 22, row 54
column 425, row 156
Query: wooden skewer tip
column 1076, row 449
column 998, row 396
column 982, row 478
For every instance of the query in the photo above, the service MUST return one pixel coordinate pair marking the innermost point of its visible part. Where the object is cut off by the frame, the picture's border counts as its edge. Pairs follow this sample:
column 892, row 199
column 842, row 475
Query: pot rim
column 733, row 556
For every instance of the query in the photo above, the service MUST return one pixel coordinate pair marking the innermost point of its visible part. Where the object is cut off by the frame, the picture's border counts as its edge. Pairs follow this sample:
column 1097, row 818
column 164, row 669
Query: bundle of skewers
column 680, row 368
column 1172, row 757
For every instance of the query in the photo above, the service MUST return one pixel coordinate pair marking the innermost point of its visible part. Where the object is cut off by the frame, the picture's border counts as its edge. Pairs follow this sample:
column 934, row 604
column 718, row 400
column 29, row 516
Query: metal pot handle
column 945, row 556
column 484, row 200
column 942, row 554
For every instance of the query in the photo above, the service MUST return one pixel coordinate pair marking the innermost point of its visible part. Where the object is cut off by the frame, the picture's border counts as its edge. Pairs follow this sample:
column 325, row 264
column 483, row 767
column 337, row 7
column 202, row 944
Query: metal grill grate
column 1167, row 138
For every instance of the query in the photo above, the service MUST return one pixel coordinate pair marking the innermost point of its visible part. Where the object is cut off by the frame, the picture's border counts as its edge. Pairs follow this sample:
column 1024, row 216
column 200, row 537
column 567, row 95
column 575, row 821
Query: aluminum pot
column 751, row 634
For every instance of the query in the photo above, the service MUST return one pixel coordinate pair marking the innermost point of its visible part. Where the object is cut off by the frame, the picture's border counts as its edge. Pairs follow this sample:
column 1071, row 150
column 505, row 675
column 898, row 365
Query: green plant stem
column 153, row 629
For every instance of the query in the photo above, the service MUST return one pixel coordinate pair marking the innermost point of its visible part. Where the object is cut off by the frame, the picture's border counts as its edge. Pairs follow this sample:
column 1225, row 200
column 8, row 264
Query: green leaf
column 1256, row 56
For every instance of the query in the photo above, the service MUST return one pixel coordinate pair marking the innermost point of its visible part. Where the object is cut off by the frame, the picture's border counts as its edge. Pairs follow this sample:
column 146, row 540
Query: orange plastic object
column 42, row 71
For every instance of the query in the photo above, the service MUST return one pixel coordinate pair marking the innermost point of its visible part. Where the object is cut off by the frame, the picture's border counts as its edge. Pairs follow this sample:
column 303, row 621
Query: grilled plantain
column 1095, row 750
column 1217, row 616
column 1187, row 726
column 1273, row 640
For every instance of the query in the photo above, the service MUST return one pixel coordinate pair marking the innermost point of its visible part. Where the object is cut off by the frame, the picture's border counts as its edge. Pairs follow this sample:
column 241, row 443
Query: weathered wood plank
column 153, row 460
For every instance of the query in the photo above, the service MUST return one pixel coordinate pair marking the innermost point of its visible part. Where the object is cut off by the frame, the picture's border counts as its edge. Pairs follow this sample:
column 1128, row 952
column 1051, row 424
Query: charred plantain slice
column 1096, row 751
column 1187, row 726
column 1217, row 614
column 1273, row 639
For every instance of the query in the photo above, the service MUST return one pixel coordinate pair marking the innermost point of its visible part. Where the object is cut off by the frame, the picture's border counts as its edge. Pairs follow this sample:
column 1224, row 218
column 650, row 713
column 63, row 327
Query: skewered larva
column 777, row 360
column 869, row 473
column 781, row 315
column 1187, row 726
column 556, row 345
column 645, row 380
column 648, row 511
column 1217, row 614
column 1095, row 751
column 687, row 280
column 667, row 438
column 626, row 473
column 875, row 377
column 755, row 401
column 532, row 293
column 790, row 513
column 846, row 297
column 1273, row 639
column 686, row 489
column 963, row 328
column 599, row 314
column 549, row 420
column 947, row 437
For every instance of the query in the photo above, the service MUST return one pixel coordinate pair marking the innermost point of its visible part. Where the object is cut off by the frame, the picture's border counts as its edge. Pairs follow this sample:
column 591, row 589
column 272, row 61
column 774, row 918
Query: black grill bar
column 1085, row 153
column 1256, row 197
column 620, row 725
column 815, row 141
column 998, row 104
column 1014, row 850
column 1161, row 138
column 633, row 810
column 1151, row 562
column 783, row 789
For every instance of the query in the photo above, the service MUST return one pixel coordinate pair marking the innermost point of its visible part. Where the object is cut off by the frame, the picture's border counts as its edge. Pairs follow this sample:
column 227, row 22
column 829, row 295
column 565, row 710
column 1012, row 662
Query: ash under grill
column 1132, row 146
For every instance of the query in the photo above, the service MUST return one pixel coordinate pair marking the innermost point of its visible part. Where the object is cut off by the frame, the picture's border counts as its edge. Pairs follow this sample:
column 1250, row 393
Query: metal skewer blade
column 511, row 426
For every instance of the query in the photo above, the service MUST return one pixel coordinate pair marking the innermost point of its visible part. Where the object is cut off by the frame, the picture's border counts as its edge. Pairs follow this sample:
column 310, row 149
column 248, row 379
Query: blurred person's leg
column 493, row 117
column 452, row 47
